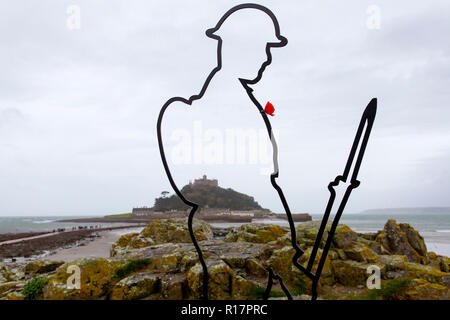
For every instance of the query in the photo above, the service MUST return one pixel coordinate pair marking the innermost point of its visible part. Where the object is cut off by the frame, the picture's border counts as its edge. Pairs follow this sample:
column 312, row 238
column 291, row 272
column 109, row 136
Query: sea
column 435, row 228
column 47, row 223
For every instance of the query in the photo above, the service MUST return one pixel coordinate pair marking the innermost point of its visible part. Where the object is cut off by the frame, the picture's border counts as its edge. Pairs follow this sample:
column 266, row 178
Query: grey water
column 44, row 223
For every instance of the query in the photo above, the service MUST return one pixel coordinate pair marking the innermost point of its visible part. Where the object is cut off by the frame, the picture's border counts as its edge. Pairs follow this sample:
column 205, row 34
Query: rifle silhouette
column 366, row 123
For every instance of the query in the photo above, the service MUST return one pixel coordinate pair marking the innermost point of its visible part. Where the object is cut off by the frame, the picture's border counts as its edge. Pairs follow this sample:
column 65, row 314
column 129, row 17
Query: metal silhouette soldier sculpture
column 350, row 172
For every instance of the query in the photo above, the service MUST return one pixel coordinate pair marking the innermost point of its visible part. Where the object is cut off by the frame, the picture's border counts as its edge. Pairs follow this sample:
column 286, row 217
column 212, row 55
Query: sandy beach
column 99, row 247
column 34, row 246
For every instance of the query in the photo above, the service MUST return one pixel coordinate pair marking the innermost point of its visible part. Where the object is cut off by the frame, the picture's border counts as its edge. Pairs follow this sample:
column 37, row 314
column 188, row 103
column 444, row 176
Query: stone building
column 206, row 182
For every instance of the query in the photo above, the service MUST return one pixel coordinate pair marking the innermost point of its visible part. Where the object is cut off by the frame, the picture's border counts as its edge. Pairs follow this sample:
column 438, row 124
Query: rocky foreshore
column 161, row 263
column 30, row 245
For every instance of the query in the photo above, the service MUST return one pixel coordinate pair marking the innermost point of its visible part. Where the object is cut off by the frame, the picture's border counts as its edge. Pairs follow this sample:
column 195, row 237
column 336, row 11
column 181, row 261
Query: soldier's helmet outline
column 277, row 42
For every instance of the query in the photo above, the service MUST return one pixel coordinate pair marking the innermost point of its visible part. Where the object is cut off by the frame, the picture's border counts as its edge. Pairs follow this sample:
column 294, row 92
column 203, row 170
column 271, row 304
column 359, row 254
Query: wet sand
column 37, row 245
column 47, row 234
column 12, row 236
column 99, row 247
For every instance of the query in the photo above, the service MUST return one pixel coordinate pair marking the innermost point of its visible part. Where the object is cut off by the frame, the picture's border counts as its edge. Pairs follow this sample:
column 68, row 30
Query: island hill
column 216, row 204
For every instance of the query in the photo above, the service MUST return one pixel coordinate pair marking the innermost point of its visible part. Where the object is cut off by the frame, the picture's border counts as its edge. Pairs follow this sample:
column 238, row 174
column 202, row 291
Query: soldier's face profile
column 245, row 35
column 243, row 58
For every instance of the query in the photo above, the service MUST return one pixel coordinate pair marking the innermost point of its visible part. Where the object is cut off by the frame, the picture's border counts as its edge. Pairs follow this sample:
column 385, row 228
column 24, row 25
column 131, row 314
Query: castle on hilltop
column 205, row 182
column 217, row 204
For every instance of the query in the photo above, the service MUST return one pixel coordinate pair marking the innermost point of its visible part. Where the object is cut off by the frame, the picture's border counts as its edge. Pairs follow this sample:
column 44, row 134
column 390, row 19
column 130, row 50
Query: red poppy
column 269, row 109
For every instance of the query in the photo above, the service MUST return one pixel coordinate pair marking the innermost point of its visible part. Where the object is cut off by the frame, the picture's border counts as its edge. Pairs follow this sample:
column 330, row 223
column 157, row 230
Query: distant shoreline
column 34, row 246
column 408, row 210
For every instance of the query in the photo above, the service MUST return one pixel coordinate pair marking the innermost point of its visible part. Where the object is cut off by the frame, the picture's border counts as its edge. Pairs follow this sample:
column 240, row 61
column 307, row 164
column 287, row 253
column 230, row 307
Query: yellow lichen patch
column 361, row 253
column 352, row 273
column 394, row 262
column 281, row 261
column 427, row 273
column 403, row 240
column 424, row 290
column 255, row 268
column 140, row 242
column 344, row 237
column 242, row 288
column 432, row 255
column 169, row 262
column 15, row 296
column 220, row 282
column 96, row 278
column 4, row 288
column 304, row 259
column 256, row 233
column 135, row 287
column 122, row 243
column 176, row 231
column 125, row 239
column 36, row 267
column 188, row 260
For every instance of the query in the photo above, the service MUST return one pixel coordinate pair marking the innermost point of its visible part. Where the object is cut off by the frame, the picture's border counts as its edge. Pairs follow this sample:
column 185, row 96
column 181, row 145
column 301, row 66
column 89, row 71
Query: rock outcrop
column 162, row 231
column 256, row 232
column 161, row 263
column 404, row 240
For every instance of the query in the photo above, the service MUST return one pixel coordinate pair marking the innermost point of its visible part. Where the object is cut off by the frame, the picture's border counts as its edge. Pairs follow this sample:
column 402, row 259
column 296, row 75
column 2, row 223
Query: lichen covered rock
column 220, row 282
column 427, row 273
column 170, row 262
column 120, row 246
column 414, row 239
column 162, row 263
column 140, row 241
column 97, row 276
column 255, row 268
column 420, row 289
column 11, row 287
column 352, row 273
column 307, row 233
column 173, row 287
column 281, row 262
column 243, row 287
column 137, row 286
column 161, row 231
column 176, row 230
column 39, row 267
column 361, row 253
column 403, row 240
column 12, row 272
column 344, row 237
column 256, row 233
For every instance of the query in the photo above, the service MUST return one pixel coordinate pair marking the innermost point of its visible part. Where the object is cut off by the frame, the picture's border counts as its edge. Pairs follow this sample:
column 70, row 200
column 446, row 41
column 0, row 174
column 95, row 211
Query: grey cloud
column 88, row 99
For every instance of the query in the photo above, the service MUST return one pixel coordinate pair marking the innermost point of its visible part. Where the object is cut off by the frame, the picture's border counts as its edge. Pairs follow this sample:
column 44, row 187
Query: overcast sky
column 78, row 107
